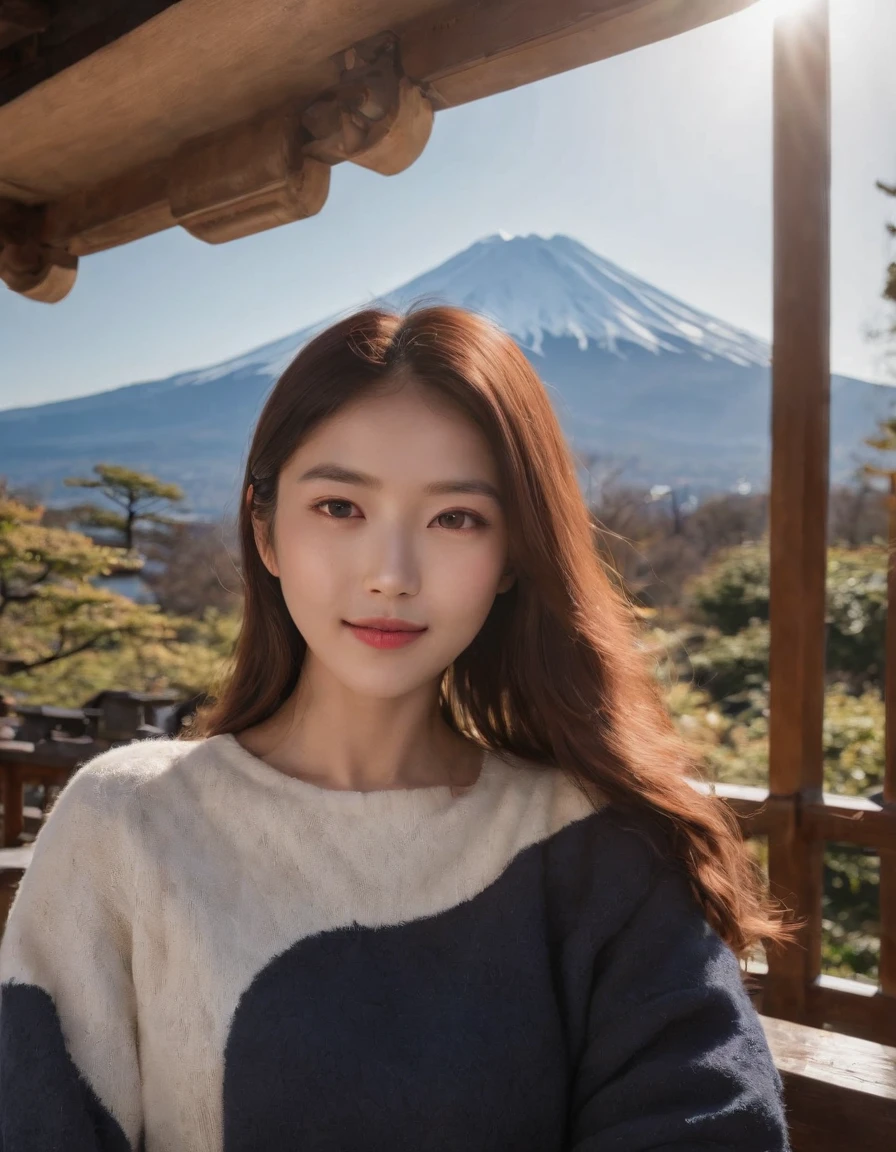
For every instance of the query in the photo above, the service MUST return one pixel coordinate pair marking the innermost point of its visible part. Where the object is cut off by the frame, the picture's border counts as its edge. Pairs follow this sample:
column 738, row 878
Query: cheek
column 309, row 576
column 464, row 583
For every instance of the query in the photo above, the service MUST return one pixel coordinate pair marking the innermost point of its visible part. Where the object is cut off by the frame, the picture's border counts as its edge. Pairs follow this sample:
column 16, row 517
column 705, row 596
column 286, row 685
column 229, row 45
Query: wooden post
column 13, row 805
column 799, row 483
column 887, row 892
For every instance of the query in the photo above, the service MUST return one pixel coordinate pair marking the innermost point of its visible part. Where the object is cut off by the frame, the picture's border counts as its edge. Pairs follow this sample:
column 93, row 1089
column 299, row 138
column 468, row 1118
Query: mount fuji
column 640, row 381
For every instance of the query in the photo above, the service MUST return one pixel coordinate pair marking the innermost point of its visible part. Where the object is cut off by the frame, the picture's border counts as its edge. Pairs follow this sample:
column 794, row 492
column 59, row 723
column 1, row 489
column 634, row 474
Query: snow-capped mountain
column 535, row 288
column 638, row 377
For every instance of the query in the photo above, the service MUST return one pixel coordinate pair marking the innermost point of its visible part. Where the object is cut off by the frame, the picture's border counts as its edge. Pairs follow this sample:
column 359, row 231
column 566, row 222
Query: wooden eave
column 200, row 65
column 198, row 68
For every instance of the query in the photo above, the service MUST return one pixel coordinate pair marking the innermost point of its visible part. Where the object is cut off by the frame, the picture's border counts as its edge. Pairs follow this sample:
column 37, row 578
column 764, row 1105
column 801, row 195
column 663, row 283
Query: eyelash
column 480, row 522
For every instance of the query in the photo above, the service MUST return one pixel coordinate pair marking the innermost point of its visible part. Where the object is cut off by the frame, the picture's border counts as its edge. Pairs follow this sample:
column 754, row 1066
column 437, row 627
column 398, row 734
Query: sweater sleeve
column 69, row 1072
column 675, row 1058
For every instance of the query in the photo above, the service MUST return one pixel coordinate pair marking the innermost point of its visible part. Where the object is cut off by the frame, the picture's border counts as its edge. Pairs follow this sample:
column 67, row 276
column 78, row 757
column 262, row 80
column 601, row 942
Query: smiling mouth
column 386, row 625
column 376, row 637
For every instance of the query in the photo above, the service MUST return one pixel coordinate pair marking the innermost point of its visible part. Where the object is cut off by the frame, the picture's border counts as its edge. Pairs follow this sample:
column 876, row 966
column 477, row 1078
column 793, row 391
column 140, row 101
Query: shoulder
column 104, row 795
column 580, row 819
column 604, row 861
column 107, row 780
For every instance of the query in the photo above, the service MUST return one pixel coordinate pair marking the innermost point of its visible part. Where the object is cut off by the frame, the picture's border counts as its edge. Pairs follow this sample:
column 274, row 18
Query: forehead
column 403, row 431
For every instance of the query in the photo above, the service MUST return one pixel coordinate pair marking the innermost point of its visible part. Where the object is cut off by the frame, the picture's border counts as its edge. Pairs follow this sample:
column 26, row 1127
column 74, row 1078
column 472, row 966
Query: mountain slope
column 537, row 288
column 636, row 376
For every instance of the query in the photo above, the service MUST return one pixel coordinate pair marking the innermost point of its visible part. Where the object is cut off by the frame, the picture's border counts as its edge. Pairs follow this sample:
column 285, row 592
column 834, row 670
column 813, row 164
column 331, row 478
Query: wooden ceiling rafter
column 42, row 39
column 247, row 139
column 271, row 170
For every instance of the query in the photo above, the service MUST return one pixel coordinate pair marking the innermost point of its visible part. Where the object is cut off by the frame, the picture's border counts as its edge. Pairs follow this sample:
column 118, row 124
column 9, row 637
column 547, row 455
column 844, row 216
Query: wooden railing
column 50, row 744
column 797, row 817
column 797, row 829
column 839, row 1092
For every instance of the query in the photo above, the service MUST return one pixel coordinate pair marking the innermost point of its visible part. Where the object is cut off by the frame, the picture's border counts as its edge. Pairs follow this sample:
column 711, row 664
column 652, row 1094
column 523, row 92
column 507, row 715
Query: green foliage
column 734, row 590
column 851, row 913
column 853, row 742
column 138, row 494
column 50, row 607
column 187, row 661
column 31, row 554
column 730, row 666
column 857, row 614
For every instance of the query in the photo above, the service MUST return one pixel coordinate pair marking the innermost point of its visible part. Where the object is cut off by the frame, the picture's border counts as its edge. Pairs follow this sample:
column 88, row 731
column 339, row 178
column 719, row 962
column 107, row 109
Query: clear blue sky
column 659, row 160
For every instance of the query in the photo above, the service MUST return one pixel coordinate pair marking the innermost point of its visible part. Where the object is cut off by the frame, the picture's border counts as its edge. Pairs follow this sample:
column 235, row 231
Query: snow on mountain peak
column 535, row 287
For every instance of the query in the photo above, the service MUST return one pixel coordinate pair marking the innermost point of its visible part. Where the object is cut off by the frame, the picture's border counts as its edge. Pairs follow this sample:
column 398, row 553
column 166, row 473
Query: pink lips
column 382, row 632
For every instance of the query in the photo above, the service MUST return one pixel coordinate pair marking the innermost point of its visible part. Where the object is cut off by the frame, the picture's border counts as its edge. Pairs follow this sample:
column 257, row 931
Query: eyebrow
column 342, row 475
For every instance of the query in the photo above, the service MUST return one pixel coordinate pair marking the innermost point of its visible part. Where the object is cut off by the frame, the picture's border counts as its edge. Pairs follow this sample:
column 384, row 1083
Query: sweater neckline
column 419, row 799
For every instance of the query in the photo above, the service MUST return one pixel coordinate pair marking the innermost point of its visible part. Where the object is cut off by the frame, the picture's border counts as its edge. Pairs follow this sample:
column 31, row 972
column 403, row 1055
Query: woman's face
column 367, row 525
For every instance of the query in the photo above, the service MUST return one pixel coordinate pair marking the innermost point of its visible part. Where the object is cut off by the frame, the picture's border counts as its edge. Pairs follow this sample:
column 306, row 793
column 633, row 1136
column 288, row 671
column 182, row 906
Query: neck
column 337, row 740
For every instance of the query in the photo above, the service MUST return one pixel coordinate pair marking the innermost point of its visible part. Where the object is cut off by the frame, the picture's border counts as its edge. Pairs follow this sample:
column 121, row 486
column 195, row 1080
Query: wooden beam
column 77, row 30
column 468, row 50
column 271, row 170
column 839, row 1092
column 147, row 133
column 760, row 814
column 199, row 67
column 245, row 181
column 832, row 819
column 112, row 213
column 202, row 66
column 850, row 820
column 28, row 264
column 799, row 483
column 849, row 1006
column 375, row 116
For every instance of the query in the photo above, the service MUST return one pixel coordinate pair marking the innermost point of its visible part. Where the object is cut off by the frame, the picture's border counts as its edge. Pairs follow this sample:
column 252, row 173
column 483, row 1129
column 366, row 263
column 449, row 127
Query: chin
column 380, row 685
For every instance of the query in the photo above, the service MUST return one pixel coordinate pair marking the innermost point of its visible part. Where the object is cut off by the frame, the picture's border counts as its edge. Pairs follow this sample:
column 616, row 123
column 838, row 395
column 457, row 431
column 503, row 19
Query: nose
column 393, row 565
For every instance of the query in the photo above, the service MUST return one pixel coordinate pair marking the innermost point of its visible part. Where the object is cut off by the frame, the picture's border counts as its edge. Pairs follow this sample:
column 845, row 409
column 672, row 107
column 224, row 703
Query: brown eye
column 344, row 504
column 458, row 519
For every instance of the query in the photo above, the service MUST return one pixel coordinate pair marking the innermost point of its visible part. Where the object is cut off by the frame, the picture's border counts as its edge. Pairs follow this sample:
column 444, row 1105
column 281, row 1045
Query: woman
column 430, row 874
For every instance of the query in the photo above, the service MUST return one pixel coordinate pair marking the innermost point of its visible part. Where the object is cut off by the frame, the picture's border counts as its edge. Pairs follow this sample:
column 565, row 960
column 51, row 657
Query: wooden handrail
column 839, row 1092
column 838, row 819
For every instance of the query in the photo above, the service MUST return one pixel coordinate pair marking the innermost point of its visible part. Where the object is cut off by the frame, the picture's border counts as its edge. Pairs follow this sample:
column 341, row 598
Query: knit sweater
column 207, row 955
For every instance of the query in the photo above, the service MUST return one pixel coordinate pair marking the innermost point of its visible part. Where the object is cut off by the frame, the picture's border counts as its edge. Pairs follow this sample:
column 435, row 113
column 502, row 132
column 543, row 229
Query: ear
column 259, row 531
column 507, row 581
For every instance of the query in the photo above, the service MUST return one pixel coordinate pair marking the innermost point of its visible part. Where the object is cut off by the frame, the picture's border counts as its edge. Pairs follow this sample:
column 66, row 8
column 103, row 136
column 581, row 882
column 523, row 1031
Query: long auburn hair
column 555, row 674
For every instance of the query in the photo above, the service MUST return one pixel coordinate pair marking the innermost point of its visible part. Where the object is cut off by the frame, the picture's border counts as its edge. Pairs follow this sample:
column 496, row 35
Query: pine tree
column 50, row 607
column 138, row 494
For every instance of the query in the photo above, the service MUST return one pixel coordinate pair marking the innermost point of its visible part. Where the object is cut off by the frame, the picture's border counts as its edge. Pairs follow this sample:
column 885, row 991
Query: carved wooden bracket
column 245, row 180
column 375, row 116
column 28, row 265
column 115, row 212
column 270, row 170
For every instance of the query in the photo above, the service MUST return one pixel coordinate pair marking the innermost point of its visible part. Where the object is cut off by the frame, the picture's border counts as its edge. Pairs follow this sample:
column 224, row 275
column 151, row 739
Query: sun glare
column 772, row 9
column 762, row 16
